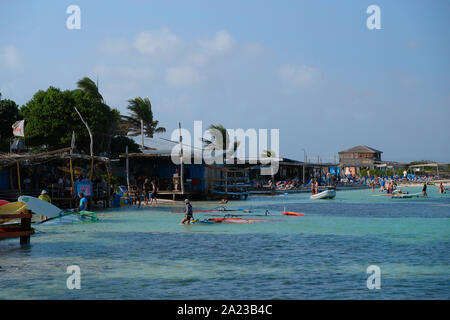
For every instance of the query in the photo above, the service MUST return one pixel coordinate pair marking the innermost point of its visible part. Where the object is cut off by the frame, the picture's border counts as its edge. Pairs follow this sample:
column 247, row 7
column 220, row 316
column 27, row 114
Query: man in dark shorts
column 188, row 217
column 146, row 189
column 154, row 192
column 424, row 189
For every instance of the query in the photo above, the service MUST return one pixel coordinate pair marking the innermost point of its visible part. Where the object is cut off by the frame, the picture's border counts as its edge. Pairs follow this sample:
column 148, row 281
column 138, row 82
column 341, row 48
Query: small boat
column 326, row 194
column 407, row 195
column 239, row 220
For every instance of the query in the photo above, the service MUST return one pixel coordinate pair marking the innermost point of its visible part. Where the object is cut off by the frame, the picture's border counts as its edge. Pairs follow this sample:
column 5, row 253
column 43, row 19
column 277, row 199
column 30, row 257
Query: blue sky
column 310, row 68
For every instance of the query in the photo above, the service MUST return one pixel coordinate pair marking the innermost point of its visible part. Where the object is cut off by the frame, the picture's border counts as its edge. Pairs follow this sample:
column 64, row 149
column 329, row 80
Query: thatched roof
column 11, row 158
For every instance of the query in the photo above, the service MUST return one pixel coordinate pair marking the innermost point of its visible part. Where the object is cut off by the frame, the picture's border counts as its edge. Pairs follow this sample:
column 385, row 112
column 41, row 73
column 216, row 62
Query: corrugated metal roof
column 362, row 148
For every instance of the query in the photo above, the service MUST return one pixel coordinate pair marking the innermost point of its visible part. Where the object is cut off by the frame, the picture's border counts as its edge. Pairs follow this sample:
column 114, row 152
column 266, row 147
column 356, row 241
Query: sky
column 311, row 69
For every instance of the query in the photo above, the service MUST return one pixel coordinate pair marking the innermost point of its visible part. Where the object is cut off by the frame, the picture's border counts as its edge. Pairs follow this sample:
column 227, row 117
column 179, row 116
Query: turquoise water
column 146, row 254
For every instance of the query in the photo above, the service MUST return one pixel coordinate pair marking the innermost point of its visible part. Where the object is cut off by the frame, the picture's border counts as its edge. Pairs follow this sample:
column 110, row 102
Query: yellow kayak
column 11, row 208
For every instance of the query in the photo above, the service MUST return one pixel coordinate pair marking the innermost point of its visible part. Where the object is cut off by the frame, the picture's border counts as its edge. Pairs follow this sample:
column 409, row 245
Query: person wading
column 424, row 190
column 154, row 193
column 188, row 217
column 146, row 189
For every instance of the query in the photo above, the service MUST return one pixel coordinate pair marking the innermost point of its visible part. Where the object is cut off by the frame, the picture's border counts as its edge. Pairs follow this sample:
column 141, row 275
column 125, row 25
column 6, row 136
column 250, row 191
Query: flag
column 18, row 128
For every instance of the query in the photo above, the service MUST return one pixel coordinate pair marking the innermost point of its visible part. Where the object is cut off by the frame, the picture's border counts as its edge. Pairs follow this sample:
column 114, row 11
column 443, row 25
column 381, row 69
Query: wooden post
column 25, row 225
column 304, row 168
column 181, row 160
column 142, row 135
column 91, row 172
column 127, row 168
column 18, row 178
column 71, row 178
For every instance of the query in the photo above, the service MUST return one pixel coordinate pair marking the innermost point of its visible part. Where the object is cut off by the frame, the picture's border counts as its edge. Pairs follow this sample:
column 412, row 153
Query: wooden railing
column 22, row 229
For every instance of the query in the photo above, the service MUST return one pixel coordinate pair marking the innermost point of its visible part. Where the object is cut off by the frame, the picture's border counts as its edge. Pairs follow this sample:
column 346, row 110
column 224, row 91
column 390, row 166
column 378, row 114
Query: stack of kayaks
column 11, row 208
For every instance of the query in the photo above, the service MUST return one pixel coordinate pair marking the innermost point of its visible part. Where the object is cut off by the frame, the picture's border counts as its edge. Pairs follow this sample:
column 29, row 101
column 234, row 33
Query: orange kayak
column 290, row 213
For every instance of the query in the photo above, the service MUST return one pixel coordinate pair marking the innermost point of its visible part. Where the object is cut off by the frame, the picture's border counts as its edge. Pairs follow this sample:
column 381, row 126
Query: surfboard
column 11, row 208
column 40, row 207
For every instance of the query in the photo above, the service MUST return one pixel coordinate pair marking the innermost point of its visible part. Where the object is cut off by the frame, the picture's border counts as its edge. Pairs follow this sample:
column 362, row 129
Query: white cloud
column 182, row 76
column 136, row 73
column 114, row 46
column 161, row 41
column 300, row 75
column 9, row 56
column 221, row 42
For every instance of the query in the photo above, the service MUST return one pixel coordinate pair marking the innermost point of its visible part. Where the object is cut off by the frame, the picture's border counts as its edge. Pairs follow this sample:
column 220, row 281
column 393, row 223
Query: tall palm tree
column 141, row 109
column 90, row 87
column 220, row 140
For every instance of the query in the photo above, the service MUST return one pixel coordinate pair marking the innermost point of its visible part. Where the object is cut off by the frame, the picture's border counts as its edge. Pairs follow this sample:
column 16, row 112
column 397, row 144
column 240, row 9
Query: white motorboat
column 326, row 194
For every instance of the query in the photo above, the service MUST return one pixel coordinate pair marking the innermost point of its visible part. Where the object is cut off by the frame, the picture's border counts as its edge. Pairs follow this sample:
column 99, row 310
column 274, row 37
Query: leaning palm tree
column 90, row 87
column 220, row 140
column 141, row 109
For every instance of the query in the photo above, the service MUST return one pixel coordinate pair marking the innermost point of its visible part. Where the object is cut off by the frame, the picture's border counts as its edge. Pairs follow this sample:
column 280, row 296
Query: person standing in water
column 154, row 192
column 424, row 189
column 188, row 217
column 83, row 202
column 146, row 189
column 441, row 188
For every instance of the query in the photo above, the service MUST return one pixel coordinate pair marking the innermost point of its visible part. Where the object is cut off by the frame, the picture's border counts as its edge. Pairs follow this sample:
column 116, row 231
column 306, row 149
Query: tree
column 9, row 113
column 50, row 119
column 220, row 140
column 120, row 142
column 268, row 154
column 89, row 86
column 141, row 109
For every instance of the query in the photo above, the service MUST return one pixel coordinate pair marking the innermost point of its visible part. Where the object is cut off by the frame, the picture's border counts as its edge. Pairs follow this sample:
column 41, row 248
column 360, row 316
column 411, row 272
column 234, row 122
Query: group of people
column 144, row 188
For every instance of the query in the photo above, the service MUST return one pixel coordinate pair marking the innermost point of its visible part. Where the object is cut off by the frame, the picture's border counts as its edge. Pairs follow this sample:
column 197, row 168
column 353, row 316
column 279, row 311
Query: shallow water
column 146, row 254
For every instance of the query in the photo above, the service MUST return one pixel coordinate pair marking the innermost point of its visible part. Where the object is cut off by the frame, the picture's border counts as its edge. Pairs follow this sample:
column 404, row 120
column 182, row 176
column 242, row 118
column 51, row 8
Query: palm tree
column 220, row 140
column 268, row 154
column 90, row 87
column 141, row 109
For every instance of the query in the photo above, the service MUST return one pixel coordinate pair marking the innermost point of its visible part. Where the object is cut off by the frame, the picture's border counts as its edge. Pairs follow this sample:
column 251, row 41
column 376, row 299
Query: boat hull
column 327, row 194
